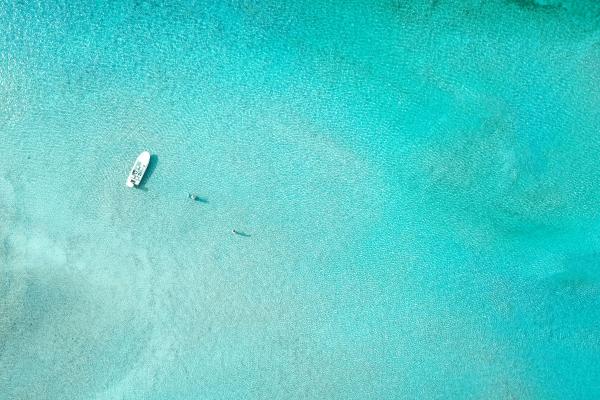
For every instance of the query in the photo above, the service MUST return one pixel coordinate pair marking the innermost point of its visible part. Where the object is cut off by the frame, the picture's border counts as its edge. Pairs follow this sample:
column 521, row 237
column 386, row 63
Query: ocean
column 417, row 183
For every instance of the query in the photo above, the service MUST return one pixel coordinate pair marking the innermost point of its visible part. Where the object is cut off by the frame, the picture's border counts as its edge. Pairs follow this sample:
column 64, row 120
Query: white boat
column 139, row 169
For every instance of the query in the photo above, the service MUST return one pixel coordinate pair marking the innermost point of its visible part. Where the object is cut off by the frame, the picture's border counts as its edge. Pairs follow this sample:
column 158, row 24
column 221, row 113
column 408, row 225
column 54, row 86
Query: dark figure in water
column 192, row 196
column 236, row 232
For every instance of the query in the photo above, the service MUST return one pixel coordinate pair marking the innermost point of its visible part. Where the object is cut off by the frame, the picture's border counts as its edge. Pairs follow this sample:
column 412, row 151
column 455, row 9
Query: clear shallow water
column 420, row 184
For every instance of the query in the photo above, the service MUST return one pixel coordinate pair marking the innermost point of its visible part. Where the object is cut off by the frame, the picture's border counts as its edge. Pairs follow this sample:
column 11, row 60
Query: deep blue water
column 418, row 180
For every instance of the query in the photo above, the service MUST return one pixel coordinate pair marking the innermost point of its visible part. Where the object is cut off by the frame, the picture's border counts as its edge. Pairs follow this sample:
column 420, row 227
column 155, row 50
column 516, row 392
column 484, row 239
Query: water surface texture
column 419, row 183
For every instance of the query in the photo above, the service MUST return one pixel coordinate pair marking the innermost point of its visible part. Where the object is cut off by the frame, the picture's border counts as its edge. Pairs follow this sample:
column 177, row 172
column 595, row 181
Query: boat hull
column 138, row 170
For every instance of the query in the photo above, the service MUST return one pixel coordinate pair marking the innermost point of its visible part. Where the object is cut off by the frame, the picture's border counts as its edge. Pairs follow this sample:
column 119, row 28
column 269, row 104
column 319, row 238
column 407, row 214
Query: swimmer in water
column 192, row 196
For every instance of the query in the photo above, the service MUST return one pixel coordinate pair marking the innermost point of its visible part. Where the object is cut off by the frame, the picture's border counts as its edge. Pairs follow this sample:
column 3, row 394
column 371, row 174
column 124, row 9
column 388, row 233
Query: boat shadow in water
column 149, row 171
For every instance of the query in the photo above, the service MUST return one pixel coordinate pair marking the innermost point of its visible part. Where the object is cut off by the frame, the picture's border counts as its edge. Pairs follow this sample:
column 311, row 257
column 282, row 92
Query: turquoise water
column 419, row 181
